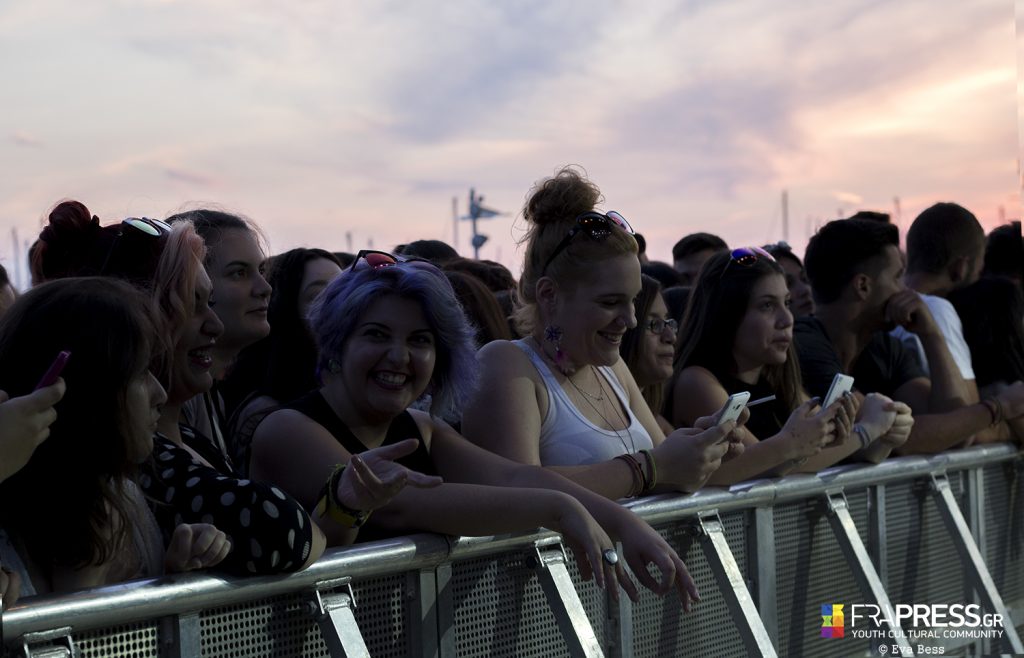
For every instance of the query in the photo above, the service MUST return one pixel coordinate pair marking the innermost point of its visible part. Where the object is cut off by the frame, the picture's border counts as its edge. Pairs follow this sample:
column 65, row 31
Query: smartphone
column 733, row 406
column 840, row 384
column 54, row 370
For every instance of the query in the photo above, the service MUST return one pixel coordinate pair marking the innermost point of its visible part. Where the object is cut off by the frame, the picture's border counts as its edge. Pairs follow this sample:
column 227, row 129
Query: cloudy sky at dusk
column 321, row 118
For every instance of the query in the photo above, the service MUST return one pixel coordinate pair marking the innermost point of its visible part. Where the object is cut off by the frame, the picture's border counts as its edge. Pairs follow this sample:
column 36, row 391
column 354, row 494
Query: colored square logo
column 832, row 620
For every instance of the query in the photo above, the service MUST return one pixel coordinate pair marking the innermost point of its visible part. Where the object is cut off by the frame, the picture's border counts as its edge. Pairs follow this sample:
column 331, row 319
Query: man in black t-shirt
column 856, row 271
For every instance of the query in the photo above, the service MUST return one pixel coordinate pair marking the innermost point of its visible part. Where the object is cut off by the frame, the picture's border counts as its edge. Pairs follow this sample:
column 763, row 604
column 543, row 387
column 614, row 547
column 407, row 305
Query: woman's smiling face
column 388, row 361
column 595, row 312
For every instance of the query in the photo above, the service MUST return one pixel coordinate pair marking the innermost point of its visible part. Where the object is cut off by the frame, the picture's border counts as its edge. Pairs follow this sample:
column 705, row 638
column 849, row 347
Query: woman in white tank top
column 562, row 397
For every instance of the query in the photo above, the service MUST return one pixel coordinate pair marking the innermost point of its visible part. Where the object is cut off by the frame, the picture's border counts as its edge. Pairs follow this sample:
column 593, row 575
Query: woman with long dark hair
column 737, row 335
column 104, row 532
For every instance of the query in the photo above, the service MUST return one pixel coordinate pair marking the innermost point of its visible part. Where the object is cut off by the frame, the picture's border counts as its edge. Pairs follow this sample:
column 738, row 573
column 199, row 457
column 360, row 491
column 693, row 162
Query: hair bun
column 561, row 198
column 69, row 221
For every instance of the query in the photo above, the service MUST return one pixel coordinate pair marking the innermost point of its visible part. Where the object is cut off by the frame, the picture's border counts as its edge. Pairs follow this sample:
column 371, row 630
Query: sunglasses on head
column 597, row 225
column 747, row 256
column 152, row 227
column 139, row 227
column 376, row 259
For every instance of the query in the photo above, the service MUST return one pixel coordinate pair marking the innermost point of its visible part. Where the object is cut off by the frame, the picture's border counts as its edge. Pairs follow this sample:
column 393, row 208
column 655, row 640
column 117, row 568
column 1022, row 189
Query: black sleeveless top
column 766, row 420
column 402, row 427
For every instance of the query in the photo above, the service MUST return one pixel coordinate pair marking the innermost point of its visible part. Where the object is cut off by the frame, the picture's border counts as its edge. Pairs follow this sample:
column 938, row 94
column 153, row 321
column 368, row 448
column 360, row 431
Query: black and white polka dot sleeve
column 268, row 529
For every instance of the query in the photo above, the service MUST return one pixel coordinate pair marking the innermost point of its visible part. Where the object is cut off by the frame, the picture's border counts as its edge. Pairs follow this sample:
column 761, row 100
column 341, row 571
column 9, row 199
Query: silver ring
column 610, row 556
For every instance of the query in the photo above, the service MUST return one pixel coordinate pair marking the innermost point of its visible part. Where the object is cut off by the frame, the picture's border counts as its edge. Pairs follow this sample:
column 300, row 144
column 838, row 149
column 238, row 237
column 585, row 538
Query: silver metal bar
column 445, row 610
column 761, row 568
column 333, row 613
column 971, row 558
column 620, row 613
column 878, row 540
column 179, row 636
column 422, row 593
column 565, row 601
column 859, row 560
column 733, row 588
column 155, row 598
column 167, row 596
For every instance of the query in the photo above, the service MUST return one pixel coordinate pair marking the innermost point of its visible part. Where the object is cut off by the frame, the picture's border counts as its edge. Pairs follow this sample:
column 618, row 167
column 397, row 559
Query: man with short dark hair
column 690, row 254
column 856, row 271
column 945, row 252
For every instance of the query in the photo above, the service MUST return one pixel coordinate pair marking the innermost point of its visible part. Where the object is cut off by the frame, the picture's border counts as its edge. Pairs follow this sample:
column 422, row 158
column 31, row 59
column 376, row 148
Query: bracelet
column 862, row 435
column 329, row 505
column 637, row 472
column 652, row 471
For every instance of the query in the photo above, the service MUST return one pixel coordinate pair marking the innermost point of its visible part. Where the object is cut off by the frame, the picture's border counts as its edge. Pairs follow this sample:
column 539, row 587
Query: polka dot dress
column 268, row 529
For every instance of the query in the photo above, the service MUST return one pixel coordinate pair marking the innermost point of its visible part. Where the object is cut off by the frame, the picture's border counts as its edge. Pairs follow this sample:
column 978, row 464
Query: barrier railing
column 767, row 555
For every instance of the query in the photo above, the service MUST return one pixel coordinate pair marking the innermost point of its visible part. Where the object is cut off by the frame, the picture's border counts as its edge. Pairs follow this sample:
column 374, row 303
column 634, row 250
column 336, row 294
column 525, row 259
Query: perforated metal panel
column 661, row 628
column 1004, row 533
column 383, row 607
column 500, row 609
column 812, row 571
column 131, row 641
column 923, row 561
column 280, row 626
column 283, row 626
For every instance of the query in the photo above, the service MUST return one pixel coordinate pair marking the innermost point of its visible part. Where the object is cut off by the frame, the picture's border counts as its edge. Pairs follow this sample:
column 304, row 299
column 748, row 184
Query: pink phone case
column 53, row 372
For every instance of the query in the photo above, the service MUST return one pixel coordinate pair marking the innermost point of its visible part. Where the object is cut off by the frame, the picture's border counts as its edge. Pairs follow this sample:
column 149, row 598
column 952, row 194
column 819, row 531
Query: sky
column 345, row 125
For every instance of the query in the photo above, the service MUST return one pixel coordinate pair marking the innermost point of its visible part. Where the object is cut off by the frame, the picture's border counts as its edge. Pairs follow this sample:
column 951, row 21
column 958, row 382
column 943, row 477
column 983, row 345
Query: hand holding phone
column 733, row 407
column 53, row 372
column 841, row 384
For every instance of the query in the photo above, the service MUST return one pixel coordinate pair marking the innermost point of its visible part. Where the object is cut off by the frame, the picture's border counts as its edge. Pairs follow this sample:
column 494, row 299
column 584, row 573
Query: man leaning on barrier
column 856, row 273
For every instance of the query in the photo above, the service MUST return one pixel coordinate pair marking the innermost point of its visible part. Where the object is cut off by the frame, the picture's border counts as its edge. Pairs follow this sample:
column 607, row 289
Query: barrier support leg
column 733, row 587
column 971, row 558
column 179, row 636
column 572, row 619
column 863, row 570
column 333, row 612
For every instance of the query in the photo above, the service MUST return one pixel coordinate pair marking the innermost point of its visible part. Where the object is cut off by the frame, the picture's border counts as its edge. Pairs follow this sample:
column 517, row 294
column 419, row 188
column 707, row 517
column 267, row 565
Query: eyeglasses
column 657, row 326
column 142, row 227
column 376, row 259
column 597, row 225
column 747, row 256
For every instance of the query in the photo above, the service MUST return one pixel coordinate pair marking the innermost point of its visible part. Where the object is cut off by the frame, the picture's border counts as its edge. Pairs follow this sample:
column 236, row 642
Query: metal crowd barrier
column 766, row 555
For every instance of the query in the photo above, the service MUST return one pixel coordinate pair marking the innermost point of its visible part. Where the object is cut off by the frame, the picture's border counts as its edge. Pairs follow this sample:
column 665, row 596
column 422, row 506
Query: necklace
column 599, row 397
column 631, row 448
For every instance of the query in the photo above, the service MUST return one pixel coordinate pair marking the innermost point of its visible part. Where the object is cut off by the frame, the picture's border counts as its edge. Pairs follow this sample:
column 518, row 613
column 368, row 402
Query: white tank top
column 567, row 437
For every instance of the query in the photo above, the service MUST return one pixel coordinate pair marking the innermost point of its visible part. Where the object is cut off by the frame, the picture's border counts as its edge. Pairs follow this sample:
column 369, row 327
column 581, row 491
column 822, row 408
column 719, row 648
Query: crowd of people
column 216, row 408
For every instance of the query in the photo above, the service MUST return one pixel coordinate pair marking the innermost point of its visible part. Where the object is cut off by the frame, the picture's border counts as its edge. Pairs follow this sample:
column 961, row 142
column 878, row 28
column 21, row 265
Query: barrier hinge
column 54, row 643
column 333, row 612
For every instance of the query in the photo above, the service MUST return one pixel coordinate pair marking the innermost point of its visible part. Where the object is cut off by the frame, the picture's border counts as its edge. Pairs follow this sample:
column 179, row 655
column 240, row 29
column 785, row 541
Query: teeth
column 391, row 378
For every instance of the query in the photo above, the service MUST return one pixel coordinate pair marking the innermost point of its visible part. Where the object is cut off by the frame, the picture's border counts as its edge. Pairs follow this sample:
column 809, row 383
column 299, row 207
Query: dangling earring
column 334, row 366
column 553, row 335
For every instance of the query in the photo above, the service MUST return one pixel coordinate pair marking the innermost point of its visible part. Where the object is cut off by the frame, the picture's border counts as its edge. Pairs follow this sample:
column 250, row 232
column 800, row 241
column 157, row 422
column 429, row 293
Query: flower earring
column 553, row 336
